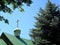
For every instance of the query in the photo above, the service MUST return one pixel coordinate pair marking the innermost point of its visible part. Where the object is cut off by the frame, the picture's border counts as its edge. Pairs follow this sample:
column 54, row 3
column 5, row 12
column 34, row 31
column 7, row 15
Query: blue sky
column 26, row 18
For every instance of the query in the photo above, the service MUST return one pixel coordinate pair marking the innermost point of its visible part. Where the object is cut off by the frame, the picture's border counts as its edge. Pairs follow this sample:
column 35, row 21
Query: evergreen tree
column 47, row 25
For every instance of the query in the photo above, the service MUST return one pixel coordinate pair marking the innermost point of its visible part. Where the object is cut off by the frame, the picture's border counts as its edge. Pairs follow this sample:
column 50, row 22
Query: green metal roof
column 15, row 41
column 29, row 42
column 2, row 42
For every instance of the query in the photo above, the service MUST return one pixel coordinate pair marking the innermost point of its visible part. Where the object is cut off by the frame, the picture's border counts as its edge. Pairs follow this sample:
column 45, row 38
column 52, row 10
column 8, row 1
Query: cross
column 17, row 23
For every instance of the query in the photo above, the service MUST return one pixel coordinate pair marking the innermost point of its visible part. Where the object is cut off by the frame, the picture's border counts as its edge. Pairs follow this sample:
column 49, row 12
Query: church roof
column 16, row 41
column 29, row 42
column 2, row 42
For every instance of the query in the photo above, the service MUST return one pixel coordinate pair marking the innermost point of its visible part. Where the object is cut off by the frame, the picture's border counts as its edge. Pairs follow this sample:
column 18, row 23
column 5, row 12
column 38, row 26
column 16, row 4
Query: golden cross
column 17, row 23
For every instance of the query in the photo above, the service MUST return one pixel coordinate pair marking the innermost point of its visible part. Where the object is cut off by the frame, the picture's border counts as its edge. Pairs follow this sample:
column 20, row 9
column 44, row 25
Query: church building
column 8, row 39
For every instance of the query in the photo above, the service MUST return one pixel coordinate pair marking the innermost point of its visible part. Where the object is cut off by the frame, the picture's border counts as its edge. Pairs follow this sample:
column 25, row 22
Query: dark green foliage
column 3, row 19
column 47, row 25
column 5, row 6
column 6, row 21
column 15, row 3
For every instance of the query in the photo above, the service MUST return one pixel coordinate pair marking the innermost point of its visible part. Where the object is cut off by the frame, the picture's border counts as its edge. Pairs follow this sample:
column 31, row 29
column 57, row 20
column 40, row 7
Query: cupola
column 17, row 31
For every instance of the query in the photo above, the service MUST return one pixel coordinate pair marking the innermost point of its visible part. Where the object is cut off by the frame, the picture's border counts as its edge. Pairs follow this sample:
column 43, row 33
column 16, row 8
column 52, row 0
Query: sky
column 26, row 18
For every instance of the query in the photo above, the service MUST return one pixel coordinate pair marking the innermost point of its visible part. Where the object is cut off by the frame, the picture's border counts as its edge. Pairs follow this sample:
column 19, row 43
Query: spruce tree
column 47, row 25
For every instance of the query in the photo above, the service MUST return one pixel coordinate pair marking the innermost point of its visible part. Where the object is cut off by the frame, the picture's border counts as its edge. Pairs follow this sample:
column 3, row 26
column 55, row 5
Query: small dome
column 17, row 32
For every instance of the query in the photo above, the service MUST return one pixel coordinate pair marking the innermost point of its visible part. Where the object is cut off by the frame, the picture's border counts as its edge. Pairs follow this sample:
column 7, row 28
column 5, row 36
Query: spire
column 17, row 31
